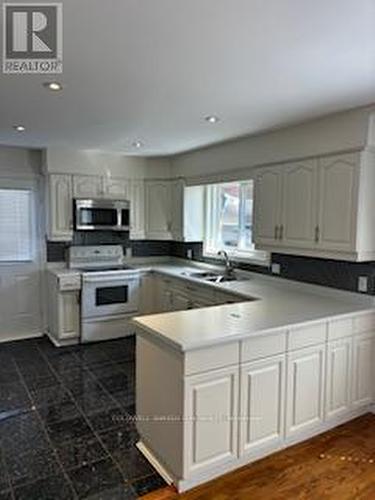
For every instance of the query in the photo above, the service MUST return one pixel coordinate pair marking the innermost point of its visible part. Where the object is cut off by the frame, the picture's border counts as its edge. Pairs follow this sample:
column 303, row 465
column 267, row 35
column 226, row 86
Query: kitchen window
column 229, row 221
column 16, row 229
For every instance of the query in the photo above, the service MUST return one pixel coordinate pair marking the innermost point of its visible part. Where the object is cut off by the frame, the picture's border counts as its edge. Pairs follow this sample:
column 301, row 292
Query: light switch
column 129, row 252
column 189, row 253
column 275, row 268
column 362, row 283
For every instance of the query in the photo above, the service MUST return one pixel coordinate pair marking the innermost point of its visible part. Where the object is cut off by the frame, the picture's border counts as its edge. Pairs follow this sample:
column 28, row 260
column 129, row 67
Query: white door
column 87, row 186
column 305, row 391
column 267, row 207
column 177, row 207
column 60, row 207
column 158, row 210
column 20, row 260
column 211, row 405
column 137, row 210
column 338, row 380
column 337, row 202
column 363, row 369
column 262, row 405
column 299, row 204
column 117, row 189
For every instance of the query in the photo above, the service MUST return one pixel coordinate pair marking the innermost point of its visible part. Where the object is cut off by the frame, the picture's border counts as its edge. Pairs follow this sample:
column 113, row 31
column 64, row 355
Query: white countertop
column 280, row 304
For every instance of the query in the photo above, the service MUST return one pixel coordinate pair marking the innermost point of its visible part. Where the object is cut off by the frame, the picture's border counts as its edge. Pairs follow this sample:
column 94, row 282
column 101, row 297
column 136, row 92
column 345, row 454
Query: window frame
column 211, row 221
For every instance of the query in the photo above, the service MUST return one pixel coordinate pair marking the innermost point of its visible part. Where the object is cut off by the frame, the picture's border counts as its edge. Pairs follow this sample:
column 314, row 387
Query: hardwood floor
column 337, row 465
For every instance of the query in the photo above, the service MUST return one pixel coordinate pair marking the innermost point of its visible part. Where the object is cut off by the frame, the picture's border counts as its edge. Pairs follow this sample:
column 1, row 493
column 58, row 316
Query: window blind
column 16, row 231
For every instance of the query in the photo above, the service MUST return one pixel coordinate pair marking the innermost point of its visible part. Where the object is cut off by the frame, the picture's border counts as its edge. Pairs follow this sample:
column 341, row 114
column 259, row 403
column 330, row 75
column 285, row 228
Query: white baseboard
column 155, row 462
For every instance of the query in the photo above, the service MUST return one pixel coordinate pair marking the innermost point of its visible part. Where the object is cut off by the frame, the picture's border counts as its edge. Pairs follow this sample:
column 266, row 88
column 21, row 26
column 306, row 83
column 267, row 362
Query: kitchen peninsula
column 222, row 386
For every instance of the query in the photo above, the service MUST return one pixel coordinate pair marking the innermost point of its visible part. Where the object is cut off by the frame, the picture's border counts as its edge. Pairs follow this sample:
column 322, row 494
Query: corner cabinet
column 158, row 210
column 320, row 207
column 60, row 207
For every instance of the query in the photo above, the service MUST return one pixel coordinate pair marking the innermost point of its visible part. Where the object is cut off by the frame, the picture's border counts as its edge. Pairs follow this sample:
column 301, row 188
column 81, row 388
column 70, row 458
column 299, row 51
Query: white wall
column 63, row 160
column 340, row 132
column 19, row 162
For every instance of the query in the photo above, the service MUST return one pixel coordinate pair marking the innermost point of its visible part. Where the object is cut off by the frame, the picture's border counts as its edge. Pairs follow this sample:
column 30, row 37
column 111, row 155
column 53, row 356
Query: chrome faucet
column 229, row 268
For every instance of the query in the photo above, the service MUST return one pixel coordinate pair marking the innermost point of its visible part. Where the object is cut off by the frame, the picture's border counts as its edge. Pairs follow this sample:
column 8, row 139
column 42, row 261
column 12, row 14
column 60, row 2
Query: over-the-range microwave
column 101, row 215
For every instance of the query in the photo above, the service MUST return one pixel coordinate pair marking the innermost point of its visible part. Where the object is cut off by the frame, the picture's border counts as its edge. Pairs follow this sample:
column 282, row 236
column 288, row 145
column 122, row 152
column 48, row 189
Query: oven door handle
column 110, row 279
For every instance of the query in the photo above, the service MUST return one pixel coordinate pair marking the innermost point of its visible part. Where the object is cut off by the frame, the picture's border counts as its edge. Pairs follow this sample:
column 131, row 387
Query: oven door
column 109, row 294
column 100, row 215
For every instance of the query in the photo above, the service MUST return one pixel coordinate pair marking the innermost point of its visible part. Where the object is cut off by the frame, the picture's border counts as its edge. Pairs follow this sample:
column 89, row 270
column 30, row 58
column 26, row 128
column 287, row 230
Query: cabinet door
column 69, row 315
column 338, row 380
column 338, row 186
column 262, row 405
column 305, row 390
column 267, row 207
column 299, row 205
column 118, row 189
column 177, row 206
column 211, row 405
column 363, row 369
column 88, row 186
column 158, row 210
column 137, row 210
column 60, row 208
column 180, row 301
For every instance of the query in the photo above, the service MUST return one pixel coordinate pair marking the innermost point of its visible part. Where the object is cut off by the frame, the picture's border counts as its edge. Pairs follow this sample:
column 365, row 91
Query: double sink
column 214, row 277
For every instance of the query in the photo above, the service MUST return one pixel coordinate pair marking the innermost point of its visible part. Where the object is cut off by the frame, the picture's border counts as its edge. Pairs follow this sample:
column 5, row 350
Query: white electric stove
column 110, row 291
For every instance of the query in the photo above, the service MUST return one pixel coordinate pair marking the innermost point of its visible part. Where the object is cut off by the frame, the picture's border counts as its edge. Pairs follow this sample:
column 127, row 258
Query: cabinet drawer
column 340, row 328
column 306, row 336
column 264, row 346
column 211, row 358
column 364, row 323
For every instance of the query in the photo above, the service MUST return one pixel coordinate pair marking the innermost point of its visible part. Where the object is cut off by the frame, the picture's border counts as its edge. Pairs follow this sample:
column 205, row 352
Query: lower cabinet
column 262, row 397
column 363, row 369
column 338, row 378
column 211, row 405
column 305, row 394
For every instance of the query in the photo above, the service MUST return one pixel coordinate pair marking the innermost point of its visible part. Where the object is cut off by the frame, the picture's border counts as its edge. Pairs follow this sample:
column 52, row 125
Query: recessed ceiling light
column 137, row 144
column 212, row 119
column 19, row 128
column 53, row 86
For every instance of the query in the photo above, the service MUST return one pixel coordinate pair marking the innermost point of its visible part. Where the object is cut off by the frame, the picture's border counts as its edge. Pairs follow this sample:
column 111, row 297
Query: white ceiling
column 151, row 70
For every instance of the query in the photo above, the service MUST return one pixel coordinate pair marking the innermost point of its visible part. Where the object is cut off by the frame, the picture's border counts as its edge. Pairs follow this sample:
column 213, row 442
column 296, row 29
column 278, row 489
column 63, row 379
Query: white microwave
column 101, row 215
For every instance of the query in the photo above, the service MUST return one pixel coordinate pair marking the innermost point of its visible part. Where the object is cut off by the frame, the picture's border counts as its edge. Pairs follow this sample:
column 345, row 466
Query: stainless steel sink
column 215, row 277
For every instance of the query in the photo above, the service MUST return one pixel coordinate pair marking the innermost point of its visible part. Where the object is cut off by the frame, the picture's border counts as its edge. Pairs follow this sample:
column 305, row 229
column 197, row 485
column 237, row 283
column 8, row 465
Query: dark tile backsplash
column 337, row 274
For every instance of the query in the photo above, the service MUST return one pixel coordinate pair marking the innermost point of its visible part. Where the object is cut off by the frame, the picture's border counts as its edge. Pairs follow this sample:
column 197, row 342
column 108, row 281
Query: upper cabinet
column 158, row 210
column 60, row 207
column 137, row 209
column 118, row 189
column 267, row 200
column 321, row 207
column 88, row 186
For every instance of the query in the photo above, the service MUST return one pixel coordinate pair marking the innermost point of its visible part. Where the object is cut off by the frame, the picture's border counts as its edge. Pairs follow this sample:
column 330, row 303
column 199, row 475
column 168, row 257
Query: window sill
column 257, row 258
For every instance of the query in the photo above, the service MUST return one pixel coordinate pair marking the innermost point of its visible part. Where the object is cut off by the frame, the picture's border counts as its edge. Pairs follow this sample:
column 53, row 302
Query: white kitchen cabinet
column 117, row 189
column 177, row 210
column 338, row 378
column 305, row 391
column 338, row 179
column 267, row 206
column 68, row 315
column 60, row 207
column 319, row 207
column 262, row 407
column 363, row 369
column 211, row 403
column 88, row 186
column 187, row 206
column 298, row 223
column 137, row 210
column 158, row 210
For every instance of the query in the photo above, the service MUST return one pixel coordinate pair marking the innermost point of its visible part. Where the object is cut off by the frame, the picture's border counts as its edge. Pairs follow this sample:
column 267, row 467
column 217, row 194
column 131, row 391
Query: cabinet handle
column 281, row 235
column 276, row 232
column 317, row 234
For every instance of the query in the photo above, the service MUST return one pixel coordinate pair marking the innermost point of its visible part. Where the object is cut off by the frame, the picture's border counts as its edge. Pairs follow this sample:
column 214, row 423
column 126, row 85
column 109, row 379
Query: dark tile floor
column 66, row 426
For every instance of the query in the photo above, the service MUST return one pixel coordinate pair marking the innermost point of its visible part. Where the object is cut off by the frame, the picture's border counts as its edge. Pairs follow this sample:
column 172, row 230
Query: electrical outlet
column 129, row 252
column 275, row 268
column 189, row 253
column 362, row 283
